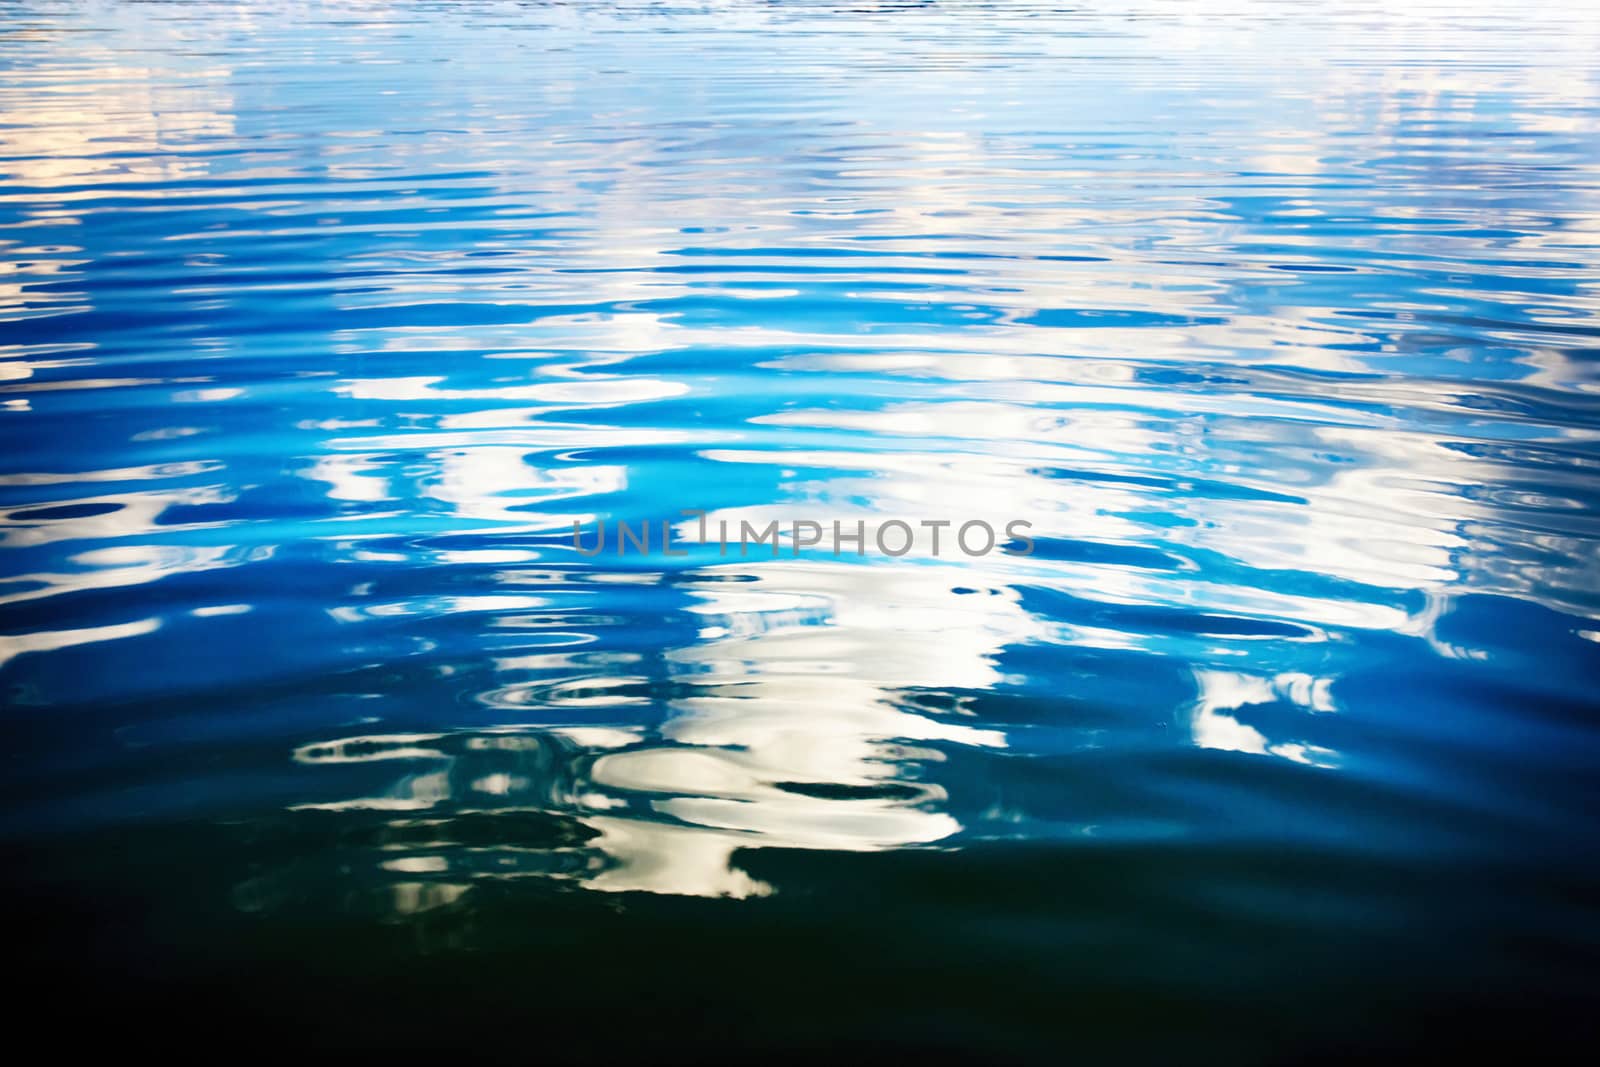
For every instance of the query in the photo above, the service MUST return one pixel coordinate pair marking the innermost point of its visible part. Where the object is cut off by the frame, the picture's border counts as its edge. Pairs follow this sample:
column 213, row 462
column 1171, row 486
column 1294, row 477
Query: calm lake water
column 322, row 324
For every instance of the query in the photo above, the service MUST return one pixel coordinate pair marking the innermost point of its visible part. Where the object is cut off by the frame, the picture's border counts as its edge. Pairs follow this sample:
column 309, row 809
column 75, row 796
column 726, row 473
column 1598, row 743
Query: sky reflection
column 320, row 335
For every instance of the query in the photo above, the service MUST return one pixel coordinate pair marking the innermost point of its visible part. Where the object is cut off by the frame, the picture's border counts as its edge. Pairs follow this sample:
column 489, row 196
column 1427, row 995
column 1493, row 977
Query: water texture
column 322, row 324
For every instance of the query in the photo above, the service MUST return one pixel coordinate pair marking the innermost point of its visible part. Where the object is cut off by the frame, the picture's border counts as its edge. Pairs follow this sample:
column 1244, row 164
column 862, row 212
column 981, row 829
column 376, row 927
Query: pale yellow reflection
column 107, row 517
column 797, row 731
column 13, row 645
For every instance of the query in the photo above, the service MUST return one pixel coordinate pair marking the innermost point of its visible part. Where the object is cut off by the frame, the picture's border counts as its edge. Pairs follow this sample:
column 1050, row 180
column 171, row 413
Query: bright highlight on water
column 1206, row 395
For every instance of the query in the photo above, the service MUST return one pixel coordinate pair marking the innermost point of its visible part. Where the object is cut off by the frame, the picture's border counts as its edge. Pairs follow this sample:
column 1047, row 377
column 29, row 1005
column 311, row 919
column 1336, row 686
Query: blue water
column 1277, row 323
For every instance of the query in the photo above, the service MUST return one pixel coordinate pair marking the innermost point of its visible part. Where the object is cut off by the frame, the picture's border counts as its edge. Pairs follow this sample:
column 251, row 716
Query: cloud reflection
column 1278, row 378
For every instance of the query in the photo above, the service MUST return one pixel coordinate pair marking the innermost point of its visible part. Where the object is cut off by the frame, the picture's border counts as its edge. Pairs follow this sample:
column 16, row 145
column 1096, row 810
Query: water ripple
column 320, row 330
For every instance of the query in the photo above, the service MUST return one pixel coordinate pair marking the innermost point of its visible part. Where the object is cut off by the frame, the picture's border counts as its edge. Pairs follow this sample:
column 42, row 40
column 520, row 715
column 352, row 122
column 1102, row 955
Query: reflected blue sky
column 320, row 329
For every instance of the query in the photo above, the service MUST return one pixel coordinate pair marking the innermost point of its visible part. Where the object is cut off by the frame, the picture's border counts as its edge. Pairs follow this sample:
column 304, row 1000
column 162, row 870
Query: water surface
column 321, row 325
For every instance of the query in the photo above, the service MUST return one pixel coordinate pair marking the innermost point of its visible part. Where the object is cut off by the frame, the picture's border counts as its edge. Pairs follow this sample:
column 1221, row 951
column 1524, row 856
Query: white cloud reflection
column 856, row 294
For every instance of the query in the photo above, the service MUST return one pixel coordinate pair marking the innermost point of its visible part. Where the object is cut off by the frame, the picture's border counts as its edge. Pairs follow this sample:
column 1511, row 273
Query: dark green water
column 1272, row 736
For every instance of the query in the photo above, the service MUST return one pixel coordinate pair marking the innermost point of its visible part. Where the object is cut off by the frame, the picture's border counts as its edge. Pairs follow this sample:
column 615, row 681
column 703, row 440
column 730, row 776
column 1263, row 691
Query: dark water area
column 1271, row 734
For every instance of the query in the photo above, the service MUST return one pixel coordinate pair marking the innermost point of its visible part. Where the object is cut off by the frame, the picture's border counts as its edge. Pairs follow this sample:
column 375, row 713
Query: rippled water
column 321, row 325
